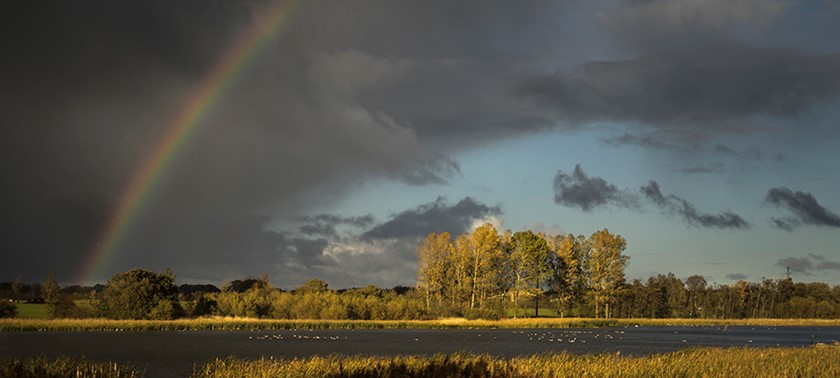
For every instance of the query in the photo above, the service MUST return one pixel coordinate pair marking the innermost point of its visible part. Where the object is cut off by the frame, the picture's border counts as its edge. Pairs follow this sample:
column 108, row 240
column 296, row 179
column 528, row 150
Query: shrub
column 7, row 309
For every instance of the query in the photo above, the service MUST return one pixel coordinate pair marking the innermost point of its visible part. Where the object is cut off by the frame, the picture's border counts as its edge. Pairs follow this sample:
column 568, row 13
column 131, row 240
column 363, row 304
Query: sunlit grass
column 39, row 367
column 220, row 323
column 816, row 361
column 821, row 361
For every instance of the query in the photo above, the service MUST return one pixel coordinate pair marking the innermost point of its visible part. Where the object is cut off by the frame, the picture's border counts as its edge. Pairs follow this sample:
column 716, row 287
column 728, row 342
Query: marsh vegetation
column 817, row 361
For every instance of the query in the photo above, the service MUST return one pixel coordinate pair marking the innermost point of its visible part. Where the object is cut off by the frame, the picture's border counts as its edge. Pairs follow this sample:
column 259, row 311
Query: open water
column 173, row 354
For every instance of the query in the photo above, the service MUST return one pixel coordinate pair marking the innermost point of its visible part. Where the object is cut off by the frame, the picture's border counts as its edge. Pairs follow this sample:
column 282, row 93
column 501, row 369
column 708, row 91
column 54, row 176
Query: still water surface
column 173, row 354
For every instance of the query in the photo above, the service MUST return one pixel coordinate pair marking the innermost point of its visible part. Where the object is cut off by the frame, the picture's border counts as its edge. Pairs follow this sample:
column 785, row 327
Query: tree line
column 479, row 274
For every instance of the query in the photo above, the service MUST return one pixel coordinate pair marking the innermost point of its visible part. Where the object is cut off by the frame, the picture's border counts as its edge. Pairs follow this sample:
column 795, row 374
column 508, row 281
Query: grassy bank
column 821, row 361
column 269, row 324
column 817, row 361
column 41, row 367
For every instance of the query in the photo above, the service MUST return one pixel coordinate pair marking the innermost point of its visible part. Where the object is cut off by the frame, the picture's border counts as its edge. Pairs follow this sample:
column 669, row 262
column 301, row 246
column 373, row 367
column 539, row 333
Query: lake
column 173, row 354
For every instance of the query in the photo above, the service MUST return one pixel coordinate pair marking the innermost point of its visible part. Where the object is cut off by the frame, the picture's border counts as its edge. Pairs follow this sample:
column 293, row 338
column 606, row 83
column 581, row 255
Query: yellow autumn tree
column 434, row 267
column 605, row 266
column 485, row 253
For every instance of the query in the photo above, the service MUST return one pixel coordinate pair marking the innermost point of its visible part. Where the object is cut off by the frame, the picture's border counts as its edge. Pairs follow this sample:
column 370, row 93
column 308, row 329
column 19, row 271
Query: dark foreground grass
column 817, row 361
column 42, row 367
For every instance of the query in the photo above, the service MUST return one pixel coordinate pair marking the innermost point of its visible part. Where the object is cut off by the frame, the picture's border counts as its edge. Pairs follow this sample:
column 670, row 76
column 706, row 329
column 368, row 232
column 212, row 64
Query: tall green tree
column 568, row 278
column 17, row 289
column 141, row 294
column 51, row 293
column 528, row 260
column 605, row 266
column 695, row 286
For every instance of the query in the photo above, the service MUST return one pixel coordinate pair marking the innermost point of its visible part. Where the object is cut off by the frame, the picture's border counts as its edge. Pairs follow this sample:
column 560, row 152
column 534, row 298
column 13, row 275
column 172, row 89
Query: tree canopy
column 141, row 294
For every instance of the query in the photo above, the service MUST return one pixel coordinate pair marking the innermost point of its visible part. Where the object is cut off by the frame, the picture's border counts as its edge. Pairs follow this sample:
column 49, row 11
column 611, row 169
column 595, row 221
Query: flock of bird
column 570, row 336
column 296, row 337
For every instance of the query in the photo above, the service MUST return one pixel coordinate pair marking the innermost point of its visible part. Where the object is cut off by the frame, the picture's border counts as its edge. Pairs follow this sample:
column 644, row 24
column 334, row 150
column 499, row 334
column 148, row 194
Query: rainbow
column 178, row 133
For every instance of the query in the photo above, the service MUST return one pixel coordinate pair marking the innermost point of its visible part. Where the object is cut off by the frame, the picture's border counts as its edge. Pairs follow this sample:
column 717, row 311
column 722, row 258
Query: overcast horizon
column 704, row 133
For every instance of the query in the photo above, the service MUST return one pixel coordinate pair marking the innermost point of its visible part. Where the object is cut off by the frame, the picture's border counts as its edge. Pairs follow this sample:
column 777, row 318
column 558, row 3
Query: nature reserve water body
column 174, row 353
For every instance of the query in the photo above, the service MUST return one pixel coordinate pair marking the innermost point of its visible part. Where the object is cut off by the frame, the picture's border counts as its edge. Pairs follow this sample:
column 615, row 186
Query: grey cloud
column 752, row 153
column 803, row 205
column 659, row 24
column 736, row 276
column 724, row 150
column 807, row 265
column 674, row 205
column 380, row 254
column 717, row 167
column 436, row 169
column 788, row 224
column 691, row 91
column 325, row 224
column 435, row 216
column 828, row 265
column 580, row 190
column 656, row 141
column 796, row 264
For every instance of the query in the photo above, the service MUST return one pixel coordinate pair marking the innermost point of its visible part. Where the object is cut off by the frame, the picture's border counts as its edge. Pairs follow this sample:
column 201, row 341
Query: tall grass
column 817, row 361
column 708, row 362
column 42, row 367
column 218, row 323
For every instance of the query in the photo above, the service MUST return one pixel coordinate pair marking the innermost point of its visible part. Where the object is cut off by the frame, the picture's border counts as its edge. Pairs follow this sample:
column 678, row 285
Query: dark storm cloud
column 90, row 89
column 673, row 205
column 804, row 206
column 689, row 92
column 651, row 25
column 736, row 276
column 435, row 216
column 580, row 190
column 808, row 265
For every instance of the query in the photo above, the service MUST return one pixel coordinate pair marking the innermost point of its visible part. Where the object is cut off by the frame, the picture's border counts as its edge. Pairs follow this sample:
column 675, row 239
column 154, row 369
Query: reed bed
column 816, row 361
column 42, row 367
column 821, row 361
column 230, row 324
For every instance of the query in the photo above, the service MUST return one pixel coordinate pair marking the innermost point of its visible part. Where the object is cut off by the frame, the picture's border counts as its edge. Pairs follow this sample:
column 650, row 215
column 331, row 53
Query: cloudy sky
column 705, row 133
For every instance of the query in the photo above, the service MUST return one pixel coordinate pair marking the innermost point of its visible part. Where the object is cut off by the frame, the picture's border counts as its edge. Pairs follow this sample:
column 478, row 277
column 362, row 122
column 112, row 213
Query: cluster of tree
column 144, row 294
column 666, row 296
column 485, row 272
column 312, row 300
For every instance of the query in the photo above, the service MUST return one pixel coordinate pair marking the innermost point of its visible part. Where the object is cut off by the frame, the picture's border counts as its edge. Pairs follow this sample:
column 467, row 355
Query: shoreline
column 230, row 324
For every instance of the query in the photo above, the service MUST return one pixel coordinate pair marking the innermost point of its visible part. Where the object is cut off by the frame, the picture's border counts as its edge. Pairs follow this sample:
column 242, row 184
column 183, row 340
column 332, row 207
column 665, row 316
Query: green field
column 32, row 310
column 817, row 361
column 218, row 323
